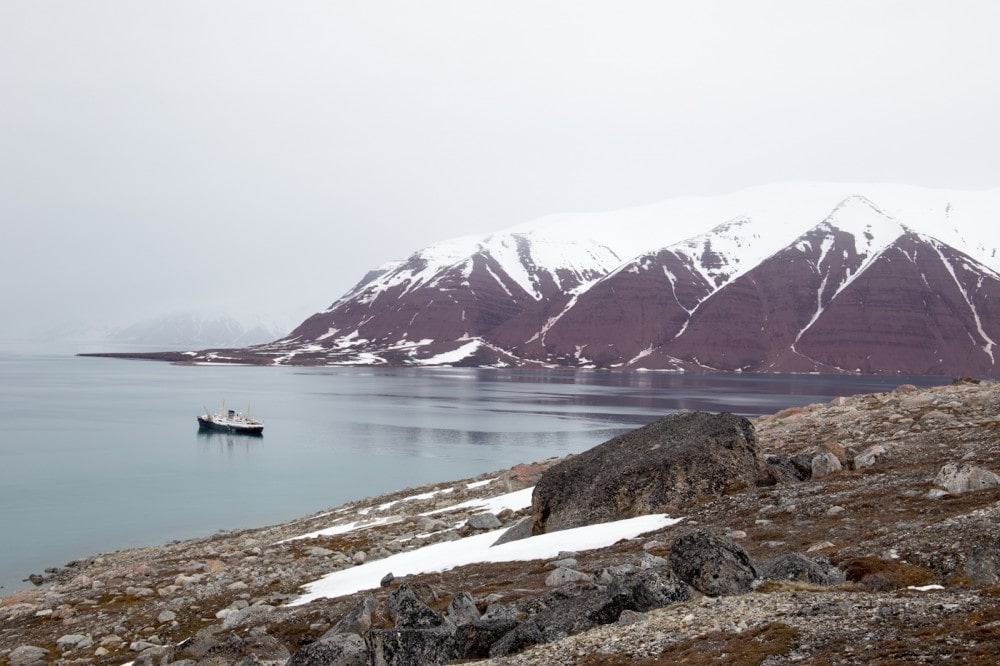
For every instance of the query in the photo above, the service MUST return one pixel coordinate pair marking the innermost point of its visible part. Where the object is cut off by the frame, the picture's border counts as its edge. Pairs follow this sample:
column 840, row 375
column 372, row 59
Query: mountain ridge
column 744, row 284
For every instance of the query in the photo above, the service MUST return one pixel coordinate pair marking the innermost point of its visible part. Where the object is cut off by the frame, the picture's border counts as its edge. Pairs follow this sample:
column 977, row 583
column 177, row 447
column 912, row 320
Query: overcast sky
column 262, row 156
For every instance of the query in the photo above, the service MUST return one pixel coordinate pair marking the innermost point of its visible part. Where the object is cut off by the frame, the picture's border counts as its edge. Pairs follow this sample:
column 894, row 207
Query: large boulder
column 983, row 565
column 959, row 478
column 654, row 469
column 798, row 567
column 419, row 637
column 714, row 565
column 28, row 655
column 358, row 620
column 344, row 649
column 571, row 609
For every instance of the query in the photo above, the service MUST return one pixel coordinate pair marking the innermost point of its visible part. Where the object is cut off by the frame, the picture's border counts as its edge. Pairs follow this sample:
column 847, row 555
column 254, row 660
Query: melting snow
column 475, row 549
column 454, row 356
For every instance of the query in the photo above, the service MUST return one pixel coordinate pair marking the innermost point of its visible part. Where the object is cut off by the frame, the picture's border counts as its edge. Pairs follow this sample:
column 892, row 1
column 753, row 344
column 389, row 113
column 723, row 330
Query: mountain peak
column 799, row 277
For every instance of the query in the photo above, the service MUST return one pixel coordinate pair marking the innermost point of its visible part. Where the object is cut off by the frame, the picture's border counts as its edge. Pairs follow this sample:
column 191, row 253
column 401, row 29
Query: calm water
column 102, row 454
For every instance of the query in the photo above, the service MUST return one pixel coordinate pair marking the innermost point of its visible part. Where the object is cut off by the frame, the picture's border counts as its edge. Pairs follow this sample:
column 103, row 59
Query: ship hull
column 243, row 429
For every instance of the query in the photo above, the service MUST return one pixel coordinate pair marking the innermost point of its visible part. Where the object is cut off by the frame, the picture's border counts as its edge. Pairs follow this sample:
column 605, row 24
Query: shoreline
column 883, row 508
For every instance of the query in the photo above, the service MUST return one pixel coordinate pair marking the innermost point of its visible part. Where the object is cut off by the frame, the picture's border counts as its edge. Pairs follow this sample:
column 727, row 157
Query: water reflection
column 229, row 442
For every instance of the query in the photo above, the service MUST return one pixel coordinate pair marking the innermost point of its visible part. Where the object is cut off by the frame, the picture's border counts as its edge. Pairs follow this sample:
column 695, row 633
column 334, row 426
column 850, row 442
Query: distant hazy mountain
column 187, row 330
column 798, row 277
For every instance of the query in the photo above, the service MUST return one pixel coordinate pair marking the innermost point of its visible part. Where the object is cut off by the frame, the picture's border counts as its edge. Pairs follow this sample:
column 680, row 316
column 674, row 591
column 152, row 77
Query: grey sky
column 261, row 156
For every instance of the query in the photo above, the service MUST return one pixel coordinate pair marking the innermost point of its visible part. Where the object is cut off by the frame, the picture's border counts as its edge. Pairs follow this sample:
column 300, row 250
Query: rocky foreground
column 863, row 530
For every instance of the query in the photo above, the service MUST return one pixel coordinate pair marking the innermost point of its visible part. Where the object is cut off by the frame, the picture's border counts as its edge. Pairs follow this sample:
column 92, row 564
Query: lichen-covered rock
column 484, row 521
column 712, row 564
column 409, row 612
column 345, row 649
column 259, row 648
column 798, row 567
column 983, row 565
column 524, row 635
column 657, row 468
column 28, row 655
column 412, row 646
column 474, row 640
column 959, row 478
column 462, row 609
column 564, row 576
column 651, row 588
column 358, row 620
column 869, row 456
column 825, row 464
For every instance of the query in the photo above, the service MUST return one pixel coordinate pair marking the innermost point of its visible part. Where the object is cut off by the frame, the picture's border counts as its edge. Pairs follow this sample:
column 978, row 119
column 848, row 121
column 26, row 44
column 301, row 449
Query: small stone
column 650, row 561
column 564, row 576
column 166, row 616
column 359, row 557
column 484, row 521
column 519, row 530
column 316, row 551
column 631, row 617
column 869, row 456
column 28, row 655
column 74, row 641
column 825, row 464
column 835, row 511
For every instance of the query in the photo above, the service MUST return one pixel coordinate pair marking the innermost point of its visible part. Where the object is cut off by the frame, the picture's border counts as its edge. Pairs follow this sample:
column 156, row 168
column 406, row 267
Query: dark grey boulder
column 411, row 647
column 462, row 609
column 572, row 609
column 712, row 564
column 784, row 469
column 657, row 468
column 420, row 635
column 798, row 567
column 983, row 564
column 647, row 589
column 258, row 648
column 345, row 649
column 409, row 612
column 519, row 530
column 474, row 640
column 499, row 612
column 358, row 620
column 523, row 636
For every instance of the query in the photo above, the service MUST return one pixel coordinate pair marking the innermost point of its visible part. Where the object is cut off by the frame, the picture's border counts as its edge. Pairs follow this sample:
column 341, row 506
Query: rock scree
column 654, row 469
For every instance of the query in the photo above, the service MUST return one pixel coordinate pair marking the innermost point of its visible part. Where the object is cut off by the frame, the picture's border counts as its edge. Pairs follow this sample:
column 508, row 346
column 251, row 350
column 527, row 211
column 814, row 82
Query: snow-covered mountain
column 796, row 277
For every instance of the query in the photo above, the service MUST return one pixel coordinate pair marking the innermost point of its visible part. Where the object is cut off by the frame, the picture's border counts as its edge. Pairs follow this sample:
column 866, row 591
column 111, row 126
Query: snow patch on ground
column 477, row 549
column 454, row 356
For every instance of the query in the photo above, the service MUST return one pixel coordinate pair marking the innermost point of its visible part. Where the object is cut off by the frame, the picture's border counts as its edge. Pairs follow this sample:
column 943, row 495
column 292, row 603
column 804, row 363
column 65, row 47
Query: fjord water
column 103, row 454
